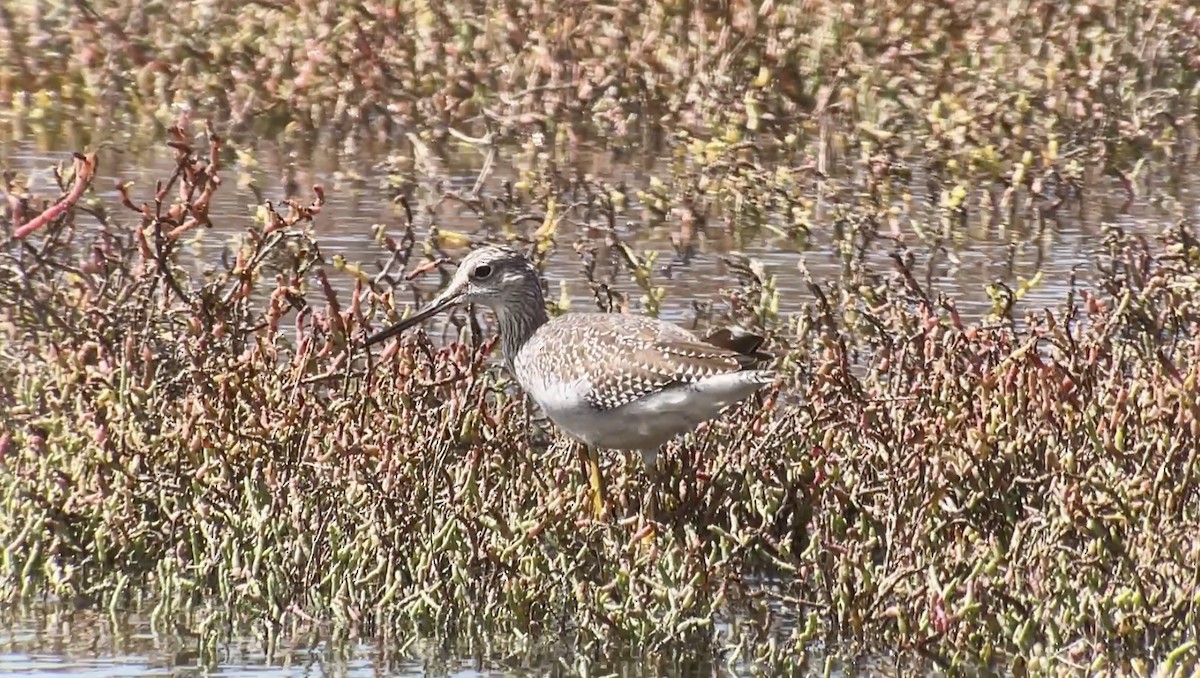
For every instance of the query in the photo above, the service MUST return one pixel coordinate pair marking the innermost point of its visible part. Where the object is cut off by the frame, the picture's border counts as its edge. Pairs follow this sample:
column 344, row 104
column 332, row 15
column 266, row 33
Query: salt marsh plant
column 971, row 491
column 1012, row 490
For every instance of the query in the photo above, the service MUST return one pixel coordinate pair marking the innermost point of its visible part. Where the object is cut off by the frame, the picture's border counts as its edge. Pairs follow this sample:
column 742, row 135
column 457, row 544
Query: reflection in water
column 89, row 643
column 44, row 641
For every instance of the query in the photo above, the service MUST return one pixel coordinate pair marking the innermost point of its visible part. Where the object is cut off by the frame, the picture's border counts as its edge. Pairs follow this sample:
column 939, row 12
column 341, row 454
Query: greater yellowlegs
column 609, row 380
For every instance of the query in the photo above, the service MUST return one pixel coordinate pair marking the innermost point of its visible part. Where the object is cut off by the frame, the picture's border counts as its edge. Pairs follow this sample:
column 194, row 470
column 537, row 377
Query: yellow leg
column 596, row 481
column 651, row 502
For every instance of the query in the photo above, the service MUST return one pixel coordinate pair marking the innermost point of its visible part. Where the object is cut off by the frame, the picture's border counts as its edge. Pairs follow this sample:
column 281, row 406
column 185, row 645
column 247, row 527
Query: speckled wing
column 628, row 357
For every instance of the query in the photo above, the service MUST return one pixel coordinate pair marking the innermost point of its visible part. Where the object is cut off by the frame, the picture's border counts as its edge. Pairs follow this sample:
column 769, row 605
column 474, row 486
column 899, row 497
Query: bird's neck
column 518, row 322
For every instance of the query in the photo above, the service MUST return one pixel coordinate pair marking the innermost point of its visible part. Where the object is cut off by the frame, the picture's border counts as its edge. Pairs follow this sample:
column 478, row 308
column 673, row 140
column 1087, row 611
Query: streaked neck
column 519, row 318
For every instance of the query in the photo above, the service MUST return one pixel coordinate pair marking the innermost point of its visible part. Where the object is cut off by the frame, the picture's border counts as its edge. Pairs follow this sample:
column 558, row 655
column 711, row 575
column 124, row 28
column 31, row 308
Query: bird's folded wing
column 621, row 377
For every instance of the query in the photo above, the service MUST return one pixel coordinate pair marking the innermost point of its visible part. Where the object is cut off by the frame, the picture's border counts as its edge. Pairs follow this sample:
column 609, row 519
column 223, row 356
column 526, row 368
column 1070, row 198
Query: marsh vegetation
column 973, row 460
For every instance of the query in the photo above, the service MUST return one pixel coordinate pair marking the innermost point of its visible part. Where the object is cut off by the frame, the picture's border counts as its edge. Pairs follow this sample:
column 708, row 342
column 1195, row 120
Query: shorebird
column 608, row 380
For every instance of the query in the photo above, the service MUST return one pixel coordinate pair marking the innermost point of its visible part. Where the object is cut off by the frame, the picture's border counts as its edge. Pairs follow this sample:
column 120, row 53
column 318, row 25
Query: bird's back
column 594, row 373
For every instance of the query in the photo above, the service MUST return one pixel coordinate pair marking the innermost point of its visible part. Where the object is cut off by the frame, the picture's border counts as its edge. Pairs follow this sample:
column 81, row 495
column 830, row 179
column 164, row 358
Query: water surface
column 966, row 264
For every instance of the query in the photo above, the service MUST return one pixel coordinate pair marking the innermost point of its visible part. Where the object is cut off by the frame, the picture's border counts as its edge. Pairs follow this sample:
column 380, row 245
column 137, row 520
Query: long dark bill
column 436, row 306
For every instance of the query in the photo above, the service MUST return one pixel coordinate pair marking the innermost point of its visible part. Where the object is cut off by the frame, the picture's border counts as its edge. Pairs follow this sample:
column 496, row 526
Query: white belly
column 645, row 424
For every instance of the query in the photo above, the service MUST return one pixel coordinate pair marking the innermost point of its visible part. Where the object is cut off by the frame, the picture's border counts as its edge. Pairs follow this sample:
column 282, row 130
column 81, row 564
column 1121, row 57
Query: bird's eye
column 481, row 272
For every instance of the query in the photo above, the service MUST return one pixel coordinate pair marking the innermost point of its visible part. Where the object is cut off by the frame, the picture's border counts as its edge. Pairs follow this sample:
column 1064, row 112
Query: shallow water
column 51, row 641
column 83, row 643
column 973, row 258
